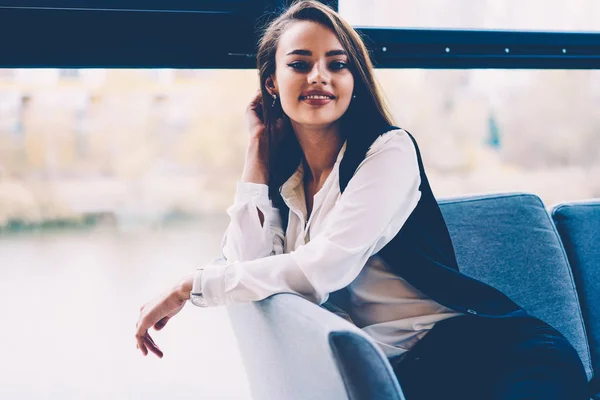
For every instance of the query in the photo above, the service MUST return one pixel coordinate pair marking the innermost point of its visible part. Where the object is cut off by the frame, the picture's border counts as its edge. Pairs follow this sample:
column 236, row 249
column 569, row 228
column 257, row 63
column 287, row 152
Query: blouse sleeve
column 246, row 238
column 376, row 203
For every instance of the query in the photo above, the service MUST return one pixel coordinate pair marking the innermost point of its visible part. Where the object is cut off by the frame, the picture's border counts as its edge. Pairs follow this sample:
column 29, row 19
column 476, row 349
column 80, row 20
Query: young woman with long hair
column 334, row 205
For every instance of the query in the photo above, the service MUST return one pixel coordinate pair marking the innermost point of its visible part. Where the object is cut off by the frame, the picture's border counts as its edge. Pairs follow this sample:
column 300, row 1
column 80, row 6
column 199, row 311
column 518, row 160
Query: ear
column 271, row 85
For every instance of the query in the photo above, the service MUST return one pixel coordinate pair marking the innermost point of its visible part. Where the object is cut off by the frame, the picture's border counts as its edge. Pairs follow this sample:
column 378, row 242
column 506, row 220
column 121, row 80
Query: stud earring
column 353, row 96
column 274, row 100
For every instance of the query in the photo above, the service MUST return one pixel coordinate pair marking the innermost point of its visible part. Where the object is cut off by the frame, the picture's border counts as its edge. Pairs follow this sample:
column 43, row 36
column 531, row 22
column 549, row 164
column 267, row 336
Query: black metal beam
column 204, row 6
column 38, row 38
column 63, row 38
column 425, row 48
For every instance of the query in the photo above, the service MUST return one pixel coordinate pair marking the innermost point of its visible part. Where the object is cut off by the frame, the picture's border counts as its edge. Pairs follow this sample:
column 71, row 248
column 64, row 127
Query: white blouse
column 337, row 247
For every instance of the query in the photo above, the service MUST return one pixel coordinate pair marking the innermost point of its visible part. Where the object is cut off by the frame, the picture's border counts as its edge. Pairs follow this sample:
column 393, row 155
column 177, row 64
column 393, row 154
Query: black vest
column 422, row 252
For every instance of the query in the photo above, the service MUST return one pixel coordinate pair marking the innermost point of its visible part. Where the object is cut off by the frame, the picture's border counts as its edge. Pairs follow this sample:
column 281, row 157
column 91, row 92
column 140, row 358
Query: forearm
column 247, row 236
column 255, row 228
column 255, row 170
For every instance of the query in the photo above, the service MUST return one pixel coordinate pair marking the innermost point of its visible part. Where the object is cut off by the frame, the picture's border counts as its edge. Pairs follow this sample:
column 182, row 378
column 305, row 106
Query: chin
column 317, row 117
column 317, row 121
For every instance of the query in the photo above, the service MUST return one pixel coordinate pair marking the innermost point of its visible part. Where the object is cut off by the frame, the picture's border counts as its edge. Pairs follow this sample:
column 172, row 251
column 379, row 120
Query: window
column 480, row 130
column 7, row 74
column 116, row 180
column 485, row 131
column 530, row 15
column 69, row 73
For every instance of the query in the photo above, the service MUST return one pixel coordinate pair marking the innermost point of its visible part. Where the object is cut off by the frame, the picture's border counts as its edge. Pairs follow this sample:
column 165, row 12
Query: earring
column 274, row 100
column 353, row 96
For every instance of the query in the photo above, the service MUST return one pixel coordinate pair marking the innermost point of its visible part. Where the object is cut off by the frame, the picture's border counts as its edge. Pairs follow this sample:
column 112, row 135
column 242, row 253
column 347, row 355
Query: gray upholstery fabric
column 579, row 227
column 510, row 242
column 294, row 349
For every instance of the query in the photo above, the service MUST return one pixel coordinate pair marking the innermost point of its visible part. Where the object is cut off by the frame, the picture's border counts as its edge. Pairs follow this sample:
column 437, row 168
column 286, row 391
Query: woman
column 334, row 204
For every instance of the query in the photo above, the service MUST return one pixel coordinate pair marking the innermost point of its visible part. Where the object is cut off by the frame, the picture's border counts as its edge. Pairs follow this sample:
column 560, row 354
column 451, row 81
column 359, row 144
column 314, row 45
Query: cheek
column 348, row 84
column 343, row 105
column 345, row 89
column 289, row 102
column 289, row 90
column 288, row 80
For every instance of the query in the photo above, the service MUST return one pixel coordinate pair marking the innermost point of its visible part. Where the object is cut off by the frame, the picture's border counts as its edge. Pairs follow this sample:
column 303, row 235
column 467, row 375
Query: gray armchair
column 579, row 228
column 294, row 349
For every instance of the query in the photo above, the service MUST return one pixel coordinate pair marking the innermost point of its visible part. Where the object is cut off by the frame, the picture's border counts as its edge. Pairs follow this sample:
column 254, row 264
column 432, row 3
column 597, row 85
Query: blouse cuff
column 196, row 295
column 212, row 286
column 249, row 191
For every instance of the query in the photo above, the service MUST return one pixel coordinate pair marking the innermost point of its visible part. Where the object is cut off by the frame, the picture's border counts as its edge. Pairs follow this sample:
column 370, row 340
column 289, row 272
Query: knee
column 542, row 369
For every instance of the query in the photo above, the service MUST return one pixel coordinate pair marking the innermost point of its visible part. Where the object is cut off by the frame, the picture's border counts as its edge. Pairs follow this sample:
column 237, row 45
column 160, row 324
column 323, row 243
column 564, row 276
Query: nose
column 318, row 74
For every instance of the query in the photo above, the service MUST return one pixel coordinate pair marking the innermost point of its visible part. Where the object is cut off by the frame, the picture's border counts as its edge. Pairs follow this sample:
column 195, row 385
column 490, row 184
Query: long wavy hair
column 362, row 122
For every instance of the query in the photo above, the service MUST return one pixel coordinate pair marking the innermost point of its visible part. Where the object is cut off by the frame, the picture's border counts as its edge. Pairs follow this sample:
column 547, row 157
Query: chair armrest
column 293, row 349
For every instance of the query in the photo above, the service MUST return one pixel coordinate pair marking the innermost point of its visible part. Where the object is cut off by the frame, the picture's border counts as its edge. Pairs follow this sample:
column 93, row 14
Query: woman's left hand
column 159, row 311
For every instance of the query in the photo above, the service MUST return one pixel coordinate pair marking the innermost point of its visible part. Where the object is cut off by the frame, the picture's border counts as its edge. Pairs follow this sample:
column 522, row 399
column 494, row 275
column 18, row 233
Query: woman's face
column 312, row 78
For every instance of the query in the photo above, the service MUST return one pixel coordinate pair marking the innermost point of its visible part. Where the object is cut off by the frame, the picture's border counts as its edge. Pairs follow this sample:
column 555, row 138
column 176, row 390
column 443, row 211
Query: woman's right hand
column 254, row 117
column 255, row 169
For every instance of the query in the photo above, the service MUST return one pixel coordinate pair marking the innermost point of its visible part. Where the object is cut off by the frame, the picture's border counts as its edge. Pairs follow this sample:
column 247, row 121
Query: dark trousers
column 471, row 357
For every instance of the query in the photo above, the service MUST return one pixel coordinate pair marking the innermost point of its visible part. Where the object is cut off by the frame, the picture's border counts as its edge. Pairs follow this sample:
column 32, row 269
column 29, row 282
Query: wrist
column 255, row 176
column 184, row 287
column 254, row 141
column 254, row 170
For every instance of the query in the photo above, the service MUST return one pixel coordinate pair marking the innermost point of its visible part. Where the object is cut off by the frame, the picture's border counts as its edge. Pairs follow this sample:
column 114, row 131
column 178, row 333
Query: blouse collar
column 294, row 183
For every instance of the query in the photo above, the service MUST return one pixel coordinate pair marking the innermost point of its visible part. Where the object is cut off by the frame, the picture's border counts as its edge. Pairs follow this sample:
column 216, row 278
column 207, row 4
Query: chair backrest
column 579, row 227
column 294, row 349
column 510, row 242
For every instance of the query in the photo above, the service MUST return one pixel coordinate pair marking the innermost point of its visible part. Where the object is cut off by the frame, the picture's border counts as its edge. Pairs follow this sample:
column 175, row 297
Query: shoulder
column 391, row 162
column 391, row 156
column 396, row 142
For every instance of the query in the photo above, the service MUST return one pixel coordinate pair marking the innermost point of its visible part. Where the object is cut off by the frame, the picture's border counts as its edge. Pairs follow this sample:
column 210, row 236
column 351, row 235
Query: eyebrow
column 330, row 53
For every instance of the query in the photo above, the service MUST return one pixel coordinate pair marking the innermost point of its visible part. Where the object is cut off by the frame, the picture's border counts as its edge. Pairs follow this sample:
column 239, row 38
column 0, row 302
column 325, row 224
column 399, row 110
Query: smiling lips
column 317, row 97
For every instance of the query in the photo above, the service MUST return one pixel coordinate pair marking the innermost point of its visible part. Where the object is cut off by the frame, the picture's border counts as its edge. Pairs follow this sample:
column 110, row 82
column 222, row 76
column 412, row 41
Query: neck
column 321, row 146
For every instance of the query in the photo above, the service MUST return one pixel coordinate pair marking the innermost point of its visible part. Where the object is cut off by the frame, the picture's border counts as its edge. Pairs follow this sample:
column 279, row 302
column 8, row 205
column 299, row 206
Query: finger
column 145, row 322
column 149, row 338
column 152, row 346
column 255, row 105
column 140, row 344
column 256, row 99
column 161, row 324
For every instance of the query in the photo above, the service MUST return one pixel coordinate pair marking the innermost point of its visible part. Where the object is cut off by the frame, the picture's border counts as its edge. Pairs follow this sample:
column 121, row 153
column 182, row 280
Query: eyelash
column 301, row 65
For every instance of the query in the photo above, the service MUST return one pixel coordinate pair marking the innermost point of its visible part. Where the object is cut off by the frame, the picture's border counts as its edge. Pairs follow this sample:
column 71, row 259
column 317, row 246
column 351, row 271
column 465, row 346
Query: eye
column 299, row 65
column 336, row 65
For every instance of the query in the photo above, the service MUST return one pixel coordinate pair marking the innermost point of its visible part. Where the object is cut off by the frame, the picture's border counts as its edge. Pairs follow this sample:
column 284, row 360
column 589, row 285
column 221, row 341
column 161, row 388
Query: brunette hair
column 366, row 116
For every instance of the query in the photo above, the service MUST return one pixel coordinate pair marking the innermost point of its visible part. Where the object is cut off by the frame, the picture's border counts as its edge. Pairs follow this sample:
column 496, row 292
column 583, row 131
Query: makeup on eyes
column 302, row 65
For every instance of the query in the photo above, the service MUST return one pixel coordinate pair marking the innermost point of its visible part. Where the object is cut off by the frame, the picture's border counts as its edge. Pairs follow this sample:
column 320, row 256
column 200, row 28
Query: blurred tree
column 493, row 138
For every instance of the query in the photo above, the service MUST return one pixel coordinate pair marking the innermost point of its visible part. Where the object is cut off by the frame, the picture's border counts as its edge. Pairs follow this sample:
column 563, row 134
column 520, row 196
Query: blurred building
column 148, row 144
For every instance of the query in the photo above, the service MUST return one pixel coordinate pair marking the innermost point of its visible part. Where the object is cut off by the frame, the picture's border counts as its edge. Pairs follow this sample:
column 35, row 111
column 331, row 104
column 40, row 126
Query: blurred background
column 114, row 184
